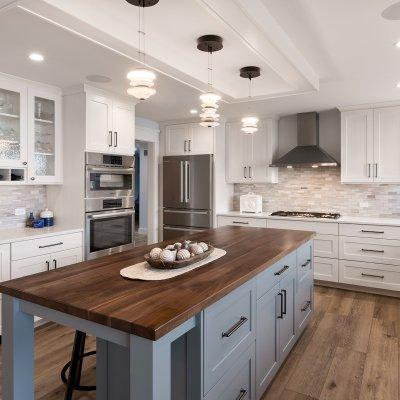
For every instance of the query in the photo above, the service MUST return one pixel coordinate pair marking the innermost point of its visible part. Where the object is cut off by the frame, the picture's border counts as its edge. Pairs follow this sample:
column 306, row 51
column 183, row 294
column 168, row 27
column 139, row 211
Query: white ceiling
column 346, row 43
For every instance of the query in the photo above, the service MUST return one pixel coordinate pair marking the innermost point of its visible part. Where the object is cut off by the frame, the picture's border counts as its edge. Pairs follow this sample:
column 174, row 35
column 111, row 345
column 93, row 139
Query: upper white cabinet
column 370, row 140
column 248, row 156
column 188, row 139
column 110, row 124
column 44, row 138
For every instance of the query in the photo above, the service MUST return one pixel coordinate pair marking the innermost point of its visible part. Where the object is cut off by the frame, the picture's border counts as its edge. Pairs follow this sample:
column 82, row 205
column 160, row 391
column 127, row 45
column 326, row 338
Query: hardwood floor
column 350, row 351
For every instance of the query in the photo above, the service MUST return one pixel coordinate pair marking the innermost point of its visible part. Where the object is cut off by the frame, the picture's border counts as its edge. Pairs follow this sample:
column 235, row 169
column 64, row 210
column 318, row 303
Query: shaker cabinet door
column 66, row 257
column 176, row 140
column 201, row 140
column 123, row 129
column 237, row 158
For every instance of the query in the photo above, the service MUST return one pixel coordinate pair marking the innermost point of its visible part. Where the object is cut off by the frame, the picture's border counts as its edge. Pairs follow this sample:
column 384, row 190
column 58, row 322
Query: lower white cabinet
column 5, row 271
column 326, row 269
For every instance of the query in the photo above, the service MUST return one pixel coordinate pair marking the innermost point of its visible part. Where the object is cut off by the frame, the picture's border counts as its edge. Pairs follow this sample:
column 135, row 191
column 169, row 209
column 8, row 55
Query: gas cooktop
column 306, row 214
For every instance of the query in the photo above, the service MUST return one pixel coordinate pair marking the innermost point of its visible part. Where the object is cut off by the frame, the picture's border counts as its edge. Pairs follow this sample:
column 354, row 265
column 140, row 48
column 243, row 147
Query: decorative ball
column 196, row 249
column 178, row 246
column 191, row 245
column 204, row 246
column 155, row 253
column 186, row 244
column 167, row 256
column 170, row 247
column 183, row 254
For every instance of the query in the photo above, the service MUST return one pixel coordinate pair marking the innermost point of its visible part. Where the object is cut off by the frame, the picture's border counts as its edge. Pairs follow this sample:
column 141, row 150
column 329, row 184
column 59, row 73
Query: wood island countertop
column 95, row 291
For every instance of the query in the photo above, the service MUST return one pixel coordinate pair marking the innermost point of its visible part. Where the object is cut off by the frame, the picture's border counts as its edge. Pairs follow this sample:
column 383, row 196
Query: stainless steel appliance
column 306, row 214
column 109, row 204
column 187, row 194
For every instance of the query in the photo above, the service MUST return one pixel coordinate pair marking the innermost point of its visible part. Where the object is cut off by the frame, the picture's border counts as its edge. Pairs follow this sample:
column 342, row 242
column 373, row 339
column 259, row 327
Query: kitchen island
column 220, row 331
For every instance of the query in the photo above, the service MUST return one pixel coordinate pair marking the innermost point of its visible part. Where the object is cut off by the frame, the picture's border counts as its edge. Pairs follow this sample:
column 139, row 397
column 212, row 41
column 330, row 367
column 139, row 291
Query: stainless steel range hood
column 307, row 153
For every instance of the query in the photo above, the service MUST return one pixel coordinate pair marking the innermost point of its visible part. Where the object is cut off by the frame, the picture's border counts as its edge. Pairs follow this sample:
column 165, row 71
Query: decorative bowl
column 178, row 263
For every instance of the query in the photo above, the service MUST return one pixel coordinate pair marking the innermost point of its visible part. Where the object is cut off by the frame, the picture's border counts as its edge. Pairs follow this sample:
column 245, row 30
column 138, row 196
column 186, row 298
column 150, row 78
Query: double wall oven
column 109, row 204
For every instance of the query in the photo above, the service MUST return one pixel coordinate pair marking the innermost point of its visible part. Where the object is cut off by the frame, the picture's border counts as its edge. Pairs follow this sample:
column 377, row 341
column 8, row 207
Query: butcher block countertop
column 95, row 291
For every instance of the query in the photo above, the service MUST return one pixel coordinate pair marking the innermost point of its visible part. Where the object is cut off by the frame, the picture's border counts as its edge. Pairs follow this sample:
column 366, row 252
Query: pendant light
column 249, row 123
column 209, row 100
column 142, row 79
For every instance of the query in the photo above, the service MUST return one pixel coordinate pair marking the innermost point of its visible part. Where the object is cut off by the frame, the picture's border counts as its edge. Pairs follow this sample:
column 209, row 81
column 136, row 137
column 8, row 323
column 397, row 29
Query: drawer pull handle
column 373, row 276
column 242, row 394
column 366, row 231
column 240, row 222
column 306, row 263
column 235, row 327
column 280, row 272
column 306, row 306
column 48, row 265
column 51, row 245
column 373, row 251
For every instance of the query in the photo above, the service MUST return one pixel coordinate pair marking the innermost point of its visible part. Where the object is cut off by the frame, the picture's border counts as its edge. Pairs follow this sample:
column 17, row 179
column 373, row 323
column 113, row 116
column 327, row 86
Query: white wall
column 329, row 133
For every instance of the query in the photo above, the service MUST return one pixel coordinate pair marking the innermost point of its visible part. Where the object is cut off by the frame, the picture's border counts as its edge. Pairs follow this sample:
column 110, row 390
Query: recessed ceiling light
column 193, row 111
column 398, row 85
column 397, row 44
column 36, row 57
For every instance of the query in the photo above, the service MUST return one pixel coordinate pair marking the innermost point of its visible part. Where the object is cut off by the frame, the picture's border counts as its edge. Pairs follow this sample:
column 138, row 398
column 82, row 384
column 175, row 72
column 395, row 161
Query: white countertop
column 18, row 234
column 342, row 220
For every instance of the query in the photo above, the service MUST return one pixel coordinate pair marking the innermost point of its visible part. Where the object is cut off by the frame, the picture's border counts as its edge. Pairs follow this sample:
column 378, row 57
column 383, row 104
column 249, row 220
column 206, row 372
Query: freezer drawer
column 188, row 218
column 171, row 232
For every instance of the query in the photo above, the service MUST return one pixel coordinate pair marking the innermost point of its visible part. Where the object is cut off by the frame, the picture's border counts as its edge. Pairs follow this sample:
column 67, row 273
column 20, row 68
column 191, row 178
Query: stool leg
column 76, row 364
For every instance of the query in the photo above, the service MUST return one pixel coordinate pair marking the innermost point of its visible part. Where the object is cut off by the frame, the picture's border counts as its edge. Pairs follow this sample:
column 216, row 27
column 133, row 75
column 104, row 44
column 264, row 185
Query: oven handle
column 173, row 228
column 108, row 215
column 110, row 170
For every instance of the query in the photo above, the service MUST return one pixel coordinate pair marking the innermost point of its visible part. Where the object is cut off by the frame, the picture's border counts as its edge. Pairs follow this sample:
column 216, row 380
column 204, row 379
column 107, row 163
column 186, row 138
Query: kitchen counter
column 94, row 290
column 19, row 234
column 342, row 220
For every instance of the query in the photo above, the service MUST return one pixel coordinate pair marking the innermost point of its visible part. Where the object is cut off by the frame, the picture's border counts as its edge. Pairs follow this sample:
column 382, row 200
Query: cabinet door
column 267, row 351
column 29, row 266
column 67, row 257
column 258, row 157
column 13, row 124
column 176, row 140
column 238, row 146
column 287, row 328
column 357, row 146
column 123, row 129
column 387, row 145
column 201, row 140
column 99, row 129
column 44, row 138
column 5, row 269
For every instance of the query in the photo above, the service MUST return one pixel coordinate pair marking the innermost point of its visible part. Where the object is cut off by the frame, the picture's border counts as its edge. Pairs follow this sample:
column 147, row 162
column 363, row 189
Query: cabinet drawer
column 242, row 221
column 370, row 231
column 369, row 250
column 304, row 304
column 271, row 276
column 326, row 246
column 304, row 262
column 229, row 328
column 238, row 382
column 323, row 228
column 326, row 269
column 46, row 245
column 380, row 276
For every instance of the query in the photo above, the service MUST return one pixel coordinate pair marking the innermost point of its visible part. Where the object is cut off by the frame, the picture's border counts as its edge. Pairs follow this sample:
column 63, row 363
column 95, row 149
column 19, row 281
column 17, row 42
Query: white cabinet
column 44, row 137
column 369, row 142
column 67, row 257
column 188, row 139
column 5, row 269
column 248, row 156
column 326, row 269
column 242, row 221
column 110, row 124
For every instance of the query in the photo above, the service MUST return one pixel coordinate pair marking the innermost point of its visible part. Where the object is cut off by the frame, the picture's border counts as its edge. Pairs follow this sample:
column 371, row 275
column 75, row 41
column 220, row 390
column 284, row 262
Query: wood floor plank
column 381, row 372
column 341, row 302
column 345, row 376
column 289, row 395
column 358, row 325
column 313, row 367
column 387, row 309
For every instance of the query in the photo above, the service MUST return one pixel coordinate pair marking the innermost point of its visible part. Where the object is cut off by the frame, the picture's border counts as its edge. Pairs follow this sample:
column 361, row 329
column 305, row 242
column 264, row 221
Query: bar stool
column 75, row 367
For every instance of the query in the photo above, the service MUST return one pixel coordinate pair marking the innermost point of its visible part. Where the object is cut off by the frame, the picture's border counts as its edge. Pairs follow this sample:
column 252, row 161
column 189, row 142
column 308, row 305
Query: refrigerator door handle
column 168, row 210
column 182, row 178
column 187, row 181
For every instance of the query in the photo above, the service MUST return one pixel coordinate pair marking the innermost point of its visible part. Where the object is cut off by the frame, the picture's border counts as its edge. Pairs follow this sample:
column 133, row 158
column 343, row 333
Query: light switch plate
column 20, row 211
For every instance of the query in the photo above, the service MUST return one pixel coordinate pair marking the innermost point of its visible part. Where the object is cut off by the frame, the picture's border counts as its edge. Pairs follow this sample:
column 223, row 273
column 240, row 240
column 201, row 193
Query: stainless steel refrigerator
column 187, row 194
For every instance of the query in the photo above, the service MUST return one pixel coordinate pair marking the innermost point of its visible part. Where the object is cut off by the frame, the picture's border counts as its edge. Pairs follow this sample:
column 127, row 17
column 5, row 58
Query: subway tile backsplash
column 33, row 198
column 319, row 189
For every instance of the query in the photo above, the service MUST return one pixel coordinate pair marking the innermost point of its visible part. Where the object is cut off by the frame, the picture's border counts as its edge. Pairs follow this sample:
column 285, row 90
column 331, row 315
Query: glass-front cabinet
column 13, row 126
column 44, row 138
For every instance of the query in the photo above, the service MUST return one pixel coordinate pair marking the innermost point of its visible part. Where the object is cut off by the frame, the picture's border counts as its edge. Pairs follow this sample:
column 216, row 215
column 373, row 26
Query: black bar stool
column 75, row 367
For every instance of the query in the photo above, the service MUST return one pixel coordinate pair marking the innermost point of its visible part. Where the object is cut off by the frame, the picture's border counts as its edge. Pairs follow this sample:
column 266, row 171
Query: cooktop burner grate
column 306, row 214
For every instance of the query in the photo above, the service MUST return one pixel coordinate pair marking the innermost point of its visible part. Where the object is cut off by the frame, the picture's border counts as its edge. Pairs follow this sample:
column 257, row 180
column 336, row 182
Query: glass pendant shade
column 249, row 124
column 209, row 106
column 142, row 82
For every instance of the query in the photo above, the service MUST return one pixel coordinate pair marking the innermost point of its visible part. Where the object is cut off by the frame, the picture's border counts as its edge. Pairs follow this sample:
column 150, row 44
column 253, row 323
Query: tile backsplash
column 319, row 189
column 33, row 198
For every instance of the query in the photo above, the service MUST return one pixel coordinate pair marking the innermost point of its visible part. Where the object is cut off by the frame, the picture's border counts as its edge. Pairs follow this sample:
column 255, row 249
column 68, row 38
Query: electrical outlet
column 20, row 211
column 363, row 204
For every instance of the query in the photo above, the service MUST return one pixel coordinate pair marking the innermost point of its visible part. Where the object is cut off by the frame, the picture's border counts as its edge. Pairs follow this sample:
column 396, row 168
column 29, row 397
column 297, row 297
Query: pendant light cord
column 210, row 69
column 142, row 34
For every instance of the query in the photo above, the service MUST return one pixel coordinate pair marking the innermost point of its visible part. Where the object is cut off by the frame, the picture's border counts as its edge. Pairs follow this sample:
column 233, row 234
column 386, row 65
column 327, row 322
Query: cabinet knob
column 24, row 163
column 33, row 178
